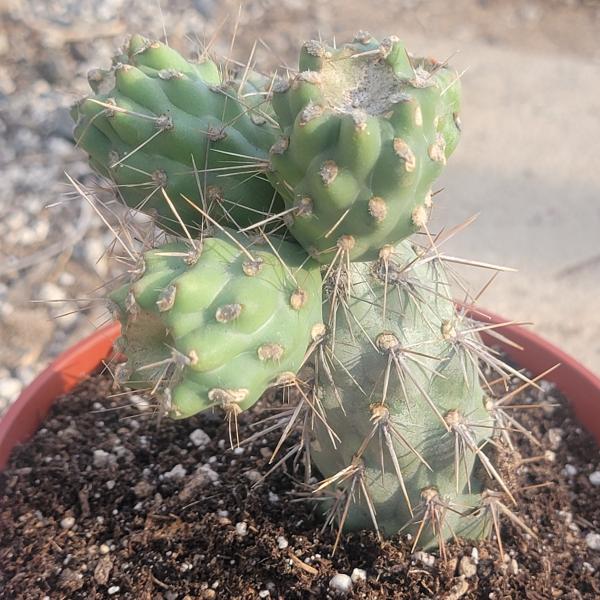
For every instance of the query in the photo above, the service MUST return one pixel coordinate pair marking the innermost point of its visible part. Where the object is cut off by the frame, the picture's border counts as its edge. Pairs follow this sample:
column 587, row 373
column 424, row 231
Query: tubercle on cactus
column 386, row 382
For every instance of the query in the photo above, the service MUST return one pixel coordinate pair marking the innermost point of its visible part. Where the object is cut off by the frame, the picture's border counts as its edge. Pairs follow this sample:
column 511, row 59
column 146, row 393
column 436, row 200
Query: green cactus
column 160, row 125
column 366, row 130
column 394, row 414
column 218, row 323
column 404, row 399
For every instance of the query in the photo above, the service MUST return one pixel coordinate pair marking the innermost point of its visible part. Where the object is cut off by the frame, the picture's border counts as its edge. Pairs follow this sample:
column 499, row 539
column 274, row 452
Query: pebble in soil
column 107, row 503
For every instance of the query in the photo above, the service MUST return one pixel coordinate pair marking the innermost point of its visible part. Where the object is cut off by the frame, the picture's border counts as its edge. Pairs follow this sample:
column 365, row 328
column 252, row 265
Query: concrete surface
column 529, row 164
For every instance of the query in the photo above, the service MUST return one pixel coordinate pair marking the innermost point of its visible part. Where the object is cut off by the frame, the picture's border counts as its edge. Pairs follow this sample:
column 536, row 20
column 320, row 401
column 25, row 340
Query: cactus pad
column 366, row 130
column 158, row 122
column 217, row 324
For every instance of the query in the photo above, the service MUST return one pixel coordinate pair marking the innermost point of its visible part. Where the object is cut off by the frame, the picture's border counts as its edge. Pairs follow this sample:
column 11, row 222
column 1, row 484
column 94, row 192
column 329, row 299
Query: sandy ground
column 528, row 160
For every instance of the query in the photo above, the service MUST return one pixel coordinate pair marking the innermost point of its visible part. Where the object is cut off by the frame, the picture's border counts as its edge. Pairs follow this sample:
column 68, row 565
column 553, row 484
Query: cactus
column 393, row 403
column 405, row 402
column 177, row 140
column 216, row 323
column 366, row 130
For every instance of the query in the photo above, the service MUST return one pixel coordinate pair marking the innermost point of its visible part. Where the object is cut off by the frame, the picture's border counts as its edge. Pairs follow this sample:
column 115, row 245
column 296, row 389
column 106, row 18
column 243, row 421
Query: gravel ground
column 52, row 243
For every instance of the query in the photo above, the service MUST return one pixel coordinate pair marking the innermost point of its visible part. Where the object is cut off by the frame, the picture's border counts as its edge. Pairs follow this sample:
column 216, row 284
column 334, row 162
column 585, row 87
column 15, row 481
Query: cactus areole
column 286, row 203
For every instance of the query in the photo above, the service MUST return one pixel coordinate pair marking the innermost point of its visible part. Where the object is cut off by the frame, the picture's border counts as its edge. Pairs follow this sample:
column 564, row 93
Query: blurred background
column 528, row 162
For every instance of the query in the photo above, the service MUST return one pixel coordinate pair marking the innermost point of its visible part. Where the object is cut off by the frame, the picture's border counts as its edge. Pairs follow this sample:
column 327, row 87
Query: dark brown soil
column 129, row 526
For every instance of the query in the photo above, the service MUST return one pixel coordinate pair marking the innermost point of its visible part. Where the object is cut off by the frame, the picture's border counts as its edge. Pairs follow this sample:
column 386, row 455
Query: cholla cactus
column 366, row 130
column 160, row 125
column 216, row 322
column 393, row 407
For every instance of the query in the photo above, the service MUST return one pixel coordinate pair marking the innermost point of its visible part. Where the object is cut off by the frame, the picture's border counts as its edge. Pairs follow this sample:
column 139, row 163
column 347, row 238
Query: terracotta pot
column 579, row 385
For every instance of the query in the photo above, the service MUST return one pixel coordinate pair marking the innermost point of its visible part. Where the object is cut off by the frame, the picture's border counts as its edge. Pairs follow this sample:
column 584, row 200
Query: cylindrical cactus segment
column 217, row 324
column 159, row 122
column 366, row 130
column 405, row 402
